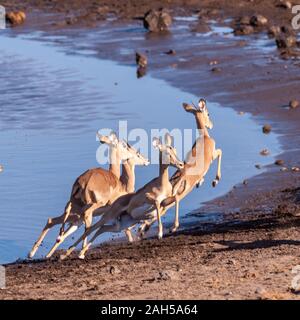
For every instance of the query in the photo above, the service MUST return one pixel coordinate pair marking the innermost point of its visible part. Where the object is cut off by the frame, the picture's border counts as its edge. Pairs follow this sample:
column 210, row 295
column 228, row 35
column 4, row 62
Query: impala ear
column 168, row 139
column 202, row 104
column 188, row 107
column 113, row 138
column 156, row 143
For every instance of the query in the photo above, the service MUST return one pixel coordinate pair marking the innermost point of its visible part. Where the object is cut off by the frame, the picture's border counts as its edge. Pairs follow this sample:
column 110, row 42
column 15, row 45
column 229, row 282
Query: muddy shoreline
column 260, row 217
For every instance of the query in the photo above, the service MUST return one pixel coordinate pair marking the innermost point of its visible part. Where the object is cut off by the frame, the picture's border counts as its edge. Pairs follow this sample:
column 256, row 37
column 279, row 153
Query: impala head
column 201, row 111
column 134, row 156
column 168, row 152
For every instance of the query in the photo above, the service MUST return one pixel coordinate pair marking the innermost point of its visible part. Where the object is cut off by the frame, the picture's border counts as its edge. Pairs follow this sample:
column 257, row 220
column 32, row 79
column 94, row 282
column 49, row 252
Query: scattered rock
column 141, row 60
column 284, row 42
column 167, row 275
column 157, row 20
column 242, row 30
column 284, row 169
column 170, row 52
column 258, row 20
column 266, row 128
column 245, row 20
column 114, row 270
column 71, row 20
column 1, row 168
column 274, row 31
column 295, row 169
column 265, row 152
column 245, row 182
column 284, row 4
column 241, row 113
column 216, row 70
column 258, row 166
column 279, row 162
column 15, row 18
column 213, row 62
column 293, row 104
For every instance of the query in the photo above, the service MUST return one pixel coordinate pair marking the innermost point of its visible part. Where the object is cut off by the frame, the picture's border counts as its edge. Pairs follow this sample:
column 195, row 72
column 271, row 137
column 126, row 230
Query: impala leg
column 106, row 228
column 61, row 239
column 65, row 217
column 176, row 221
column 217, row 154
column 128, row 234
column 88, row 218
column 160, row 226
column 50, row 224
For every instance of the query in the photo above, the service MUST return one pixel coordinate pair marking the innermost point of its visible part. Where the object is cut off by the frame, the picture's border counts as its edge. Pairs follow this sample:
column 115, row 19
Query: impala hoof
column 81, row 257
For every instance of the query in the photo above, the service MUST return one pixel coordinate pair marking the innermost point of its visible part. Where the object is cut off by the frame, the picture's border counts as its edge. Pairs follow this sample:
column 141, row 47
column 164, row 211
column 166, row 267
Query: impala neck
column 201, row 124
column 163, row 170
column 114, row 166
column 128, row 177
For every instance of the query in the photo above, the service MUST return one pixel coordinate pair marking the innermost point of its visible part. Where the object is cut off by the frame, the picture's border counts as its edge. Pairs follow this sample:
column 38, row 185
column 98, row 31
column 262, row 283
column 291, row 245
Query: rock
column 284, row 4
column 293, row 104
column 170, row 52
column 266, row 128
column 245, row 20
column 295, row 169
column 258, row 166
column 167, row 275
column 284, row 169
column 141, row 60
column 114, row 270
column 279, row 162
column 15, row 18
column 284, row 42
column 213, row 62
column 71, row 20
column 265, row 152
column 261, row 292
column 274, row 31
column 242, row 30
column 258, row 20
column 245, row 182
column 1, row 168
column 157, row 20
column 216, row 70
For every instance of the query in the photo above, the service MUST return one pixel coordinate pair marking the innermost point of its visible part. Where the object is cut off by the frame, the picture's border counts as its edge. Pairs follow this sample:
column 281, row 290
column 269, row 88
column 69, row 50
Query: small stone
column 170, row 52
column 241, row 113
column 279, row 162
column 167, row 275
column 242, row 30
column 284, row 4
column 295, row 169
column 265, row 152
column 258, row 20
column 213, row 62
column 274, row 31
column 245, row 182
column 141, row 60
column 258, row 166
column 266, row 129
column 284, row 42
column 216, row 70
column 245, row 20
column 1, row 168
column 284, row 169
column 157, row 20
column 293, row 104
column 114, row 270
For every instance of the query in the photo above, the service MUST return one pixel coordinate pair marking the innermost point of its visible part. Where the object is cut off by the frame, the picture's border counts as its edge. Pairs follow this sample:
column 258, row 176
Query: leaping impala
column 95, row 188
column 197, row 164
column 132, row 208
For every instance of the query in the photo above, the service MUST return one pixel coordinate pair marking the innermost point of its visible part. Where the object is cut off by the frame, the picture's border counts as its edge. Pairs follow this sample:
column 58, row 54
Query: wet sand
column 251, row 258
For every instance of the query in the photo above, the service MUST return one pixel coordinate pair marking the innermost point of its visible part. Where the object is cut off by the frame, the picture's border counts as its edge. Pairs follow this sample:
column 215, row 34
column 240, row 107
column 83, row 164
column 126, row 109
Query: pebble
column 258, row 20
column 265, row 152
column 279, row 162
column 170, row 52
column 114, row 270
column 245, row 182
column 295, row 169
column 266, row 128
column 284, row 4
column 1, row 168
column 216, row 70
column 258, row 166
column 293, row 104
column 284, row 169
